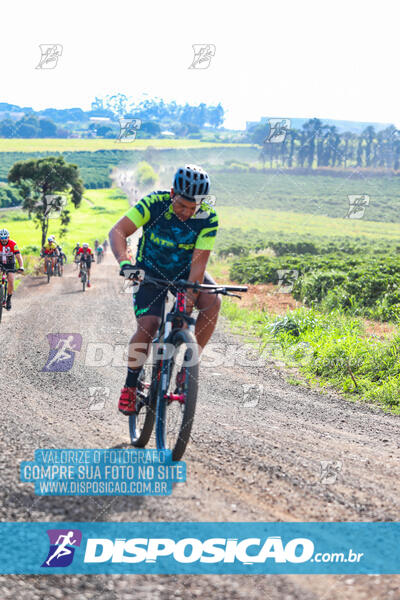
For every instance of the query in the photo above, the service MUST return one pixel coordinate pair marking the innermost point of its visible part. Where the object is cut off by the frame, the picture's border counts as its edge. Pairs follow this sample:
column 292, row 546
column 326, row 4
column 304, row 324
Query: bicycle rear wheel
column 141, row 423
column 2, row 298
column 176, row 407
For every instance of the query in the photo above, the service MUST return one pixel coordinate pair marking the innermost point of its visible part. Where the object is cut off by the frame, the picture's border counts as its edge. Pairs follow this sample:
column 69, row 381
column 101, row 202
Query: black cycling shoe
column 8, row 303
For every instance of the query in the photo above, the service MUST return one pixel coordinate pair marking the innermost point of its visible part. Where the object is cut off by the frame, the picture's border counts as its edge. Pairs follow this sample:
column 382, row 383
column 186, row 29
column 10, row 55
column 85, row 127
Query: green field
column 78, row 144
column 92, row 220
column 292, row 224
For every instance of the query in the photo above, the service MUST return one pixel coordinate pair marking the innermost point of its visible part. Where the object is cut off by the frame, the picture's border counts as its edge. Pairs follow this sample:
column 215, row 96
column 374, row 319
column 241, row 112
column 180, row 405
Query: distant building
column 102, row 120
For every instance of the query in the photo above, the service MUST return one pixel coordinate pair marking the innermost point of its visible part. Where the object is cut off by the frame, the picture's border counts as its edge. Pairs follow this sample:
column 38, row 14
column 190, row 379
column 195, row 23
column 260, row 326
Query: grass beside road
column 329, row 351
column 79, row 144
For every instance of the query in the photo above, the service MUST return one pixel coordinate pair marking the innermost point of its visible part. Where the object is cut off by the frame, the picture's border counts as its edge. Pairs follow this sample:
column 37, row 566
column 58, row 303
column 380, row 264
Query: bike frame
column 4, row 281
column 169, row 319
column 171, row 333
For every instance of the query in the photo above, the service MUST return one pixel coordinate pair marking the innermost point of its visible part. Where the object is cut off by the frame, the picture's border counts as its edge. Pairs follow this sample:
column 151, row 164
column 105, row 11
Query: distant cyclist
column 8, row 251
column 50, row 249
column 62, row 259
column 75, row 254
column 105, row 245
column 96, row 243
column 85, row 255
column 99, row 253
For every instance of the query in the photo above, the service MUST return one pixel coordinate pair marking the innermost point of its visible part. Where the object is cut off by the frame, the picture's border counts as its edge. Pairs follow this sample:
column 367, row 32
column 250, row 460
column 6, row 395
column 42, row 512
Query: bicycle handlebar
column 211, row 288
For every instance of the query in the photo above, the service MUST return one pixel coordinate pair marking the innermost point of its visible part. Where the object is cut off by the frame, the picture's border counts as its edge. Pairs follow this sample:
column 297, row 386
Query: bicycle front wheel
column 177, row 398
column 142, row 421
column 2, row 298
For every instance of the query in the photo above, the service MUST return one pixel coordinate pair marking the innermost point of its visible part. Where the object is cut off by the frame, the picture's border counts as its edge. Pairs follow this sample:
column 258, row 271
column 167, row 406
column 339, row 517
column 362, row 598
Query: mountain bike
column 3, row 289
column 48, row 267
column 4, row 285
column 99, row 257
column 83, row 274
column 167, row 387
column 59, row 264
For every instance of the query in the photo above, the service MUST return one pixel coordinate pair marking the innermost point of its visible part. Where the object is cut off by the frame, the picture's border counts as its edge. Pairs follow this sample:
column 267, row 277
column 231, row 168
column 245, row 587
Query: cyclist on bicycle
column 96, row 243
column 179, row 230
column 50, row 249
column 61, row 258
column 99, row 252
column 85, row 255
column 105, row 245
column 8, row 251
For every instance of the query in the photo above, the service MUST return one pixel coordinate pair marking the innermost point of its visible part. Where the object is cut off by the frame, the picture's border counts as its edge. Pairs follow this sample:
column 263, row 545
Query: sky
column 284, row 58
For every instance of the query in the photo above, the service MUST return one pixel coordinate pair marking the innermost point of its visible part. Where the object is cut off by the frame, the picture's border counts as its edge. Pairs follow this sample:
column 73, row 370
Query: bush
column 145, row 174
column 9, row 196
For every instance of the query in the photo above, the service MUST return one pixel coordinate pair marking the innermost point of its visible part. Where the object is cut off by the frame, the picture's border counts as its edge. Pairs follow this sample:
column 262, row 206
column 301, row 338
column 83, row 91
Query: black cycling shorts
column 149, row 299
column 9, row 267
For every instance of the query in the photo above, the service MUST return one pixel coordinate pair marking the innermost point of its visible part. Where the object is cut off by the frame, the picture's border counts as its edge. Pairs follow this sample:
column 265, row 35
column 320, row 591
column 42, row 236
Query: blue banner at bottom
column 200, row 548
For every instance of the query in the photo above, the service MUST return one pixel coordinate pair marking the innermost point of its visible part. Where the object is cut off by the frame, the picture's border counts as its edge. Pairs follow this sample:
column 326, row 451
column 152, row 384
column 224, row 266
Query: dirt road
column 245, row 463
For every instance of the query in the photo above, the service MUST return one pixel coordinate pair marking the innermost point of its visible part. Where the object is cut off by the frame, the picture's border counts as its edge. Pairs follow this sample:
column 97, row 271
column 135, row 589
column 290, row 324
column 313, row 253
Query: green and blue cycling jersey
column 166, row 247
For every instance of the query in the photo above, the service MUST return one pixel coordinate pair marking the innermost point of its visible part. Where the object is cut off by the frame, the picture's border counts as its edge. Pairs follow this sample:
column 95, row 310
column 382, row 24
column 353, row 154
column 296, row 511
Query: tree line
column 155, row 114
column 320, row 145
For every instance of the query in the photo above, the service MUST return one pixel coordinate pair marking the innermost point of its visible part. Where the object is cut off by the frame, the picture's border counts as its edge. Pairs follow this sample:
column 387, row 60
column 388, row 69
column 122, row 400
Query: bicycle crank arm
column 171, row 397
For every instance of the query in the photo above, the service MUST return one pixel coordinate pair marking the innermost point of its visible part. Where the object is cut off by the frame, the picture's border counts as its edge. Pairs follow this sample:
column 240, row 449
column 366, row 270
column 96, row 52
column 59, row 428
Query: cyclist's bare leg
column 10, row 287
column 139, row 343
column 209, row 306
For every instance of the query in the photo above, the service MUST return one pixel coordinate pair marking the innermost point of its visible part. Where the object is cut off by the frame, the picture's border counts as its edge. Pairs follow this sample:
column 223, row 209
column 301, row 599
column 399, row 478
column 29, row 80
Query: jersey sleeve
column 139, row 214
column 206, row 238
column 14, row 248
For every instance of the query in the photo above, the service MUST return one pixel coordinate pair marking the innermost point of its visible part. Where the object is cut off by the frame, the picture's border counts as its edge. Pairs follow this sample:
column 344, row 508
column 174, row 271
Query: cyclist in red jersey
column 8, row 251
column 85, row 254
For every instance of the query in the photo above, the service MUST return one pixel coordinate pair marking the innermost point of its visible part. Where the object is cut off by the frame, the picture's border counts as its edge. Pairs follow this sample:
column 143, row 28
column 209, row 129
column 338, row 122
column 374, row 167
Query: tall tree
column 42, row 183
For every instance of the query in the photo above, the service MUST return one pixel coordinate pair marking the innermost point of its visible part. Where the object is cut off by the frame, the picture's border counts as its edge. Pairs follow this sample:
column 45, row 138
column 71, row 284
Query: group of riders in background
column 53, row 255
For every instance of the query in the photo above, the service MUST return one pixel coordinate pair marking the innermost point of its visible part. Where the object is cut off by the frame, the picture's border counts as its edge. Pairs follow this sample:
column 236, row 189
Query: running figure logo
column 50, row 55
column 62, row 351
column 278, row 129
column 203, row 54
column 357, row 205
column 128, row 129
column 62, row 542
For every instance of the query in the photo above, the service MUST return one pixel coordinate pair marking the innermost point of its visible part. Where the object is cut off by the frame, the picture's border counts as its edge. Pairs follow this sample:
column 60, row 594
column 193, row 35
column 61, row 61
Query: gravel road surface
column 244, row 463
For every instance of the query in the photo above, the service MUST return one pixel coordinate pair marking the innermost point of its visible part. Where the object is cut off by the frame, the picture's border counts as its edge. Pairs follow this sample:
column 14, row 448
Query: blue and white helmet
column 4, row 234
column 191, row 181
